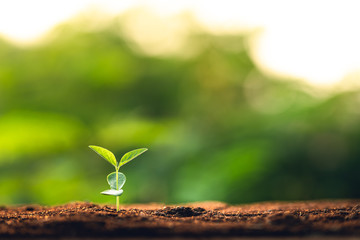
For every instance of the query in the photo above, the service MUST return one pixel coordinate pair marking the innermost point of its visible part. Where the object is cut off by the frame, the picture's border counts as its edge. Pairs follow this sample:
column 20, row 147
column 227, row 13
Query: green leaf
column 113, row 192
column 111, row 178
column 131, row 155
column 104, row 153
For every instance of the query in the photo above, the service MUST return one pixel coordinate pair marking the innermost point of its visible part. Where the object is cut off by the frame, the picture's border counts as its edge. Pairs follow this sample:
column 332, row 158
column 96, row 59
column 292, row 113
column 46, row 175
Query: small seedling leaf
column 104, row 153
column 131, row 155
column 111, row 178
column 112, row 192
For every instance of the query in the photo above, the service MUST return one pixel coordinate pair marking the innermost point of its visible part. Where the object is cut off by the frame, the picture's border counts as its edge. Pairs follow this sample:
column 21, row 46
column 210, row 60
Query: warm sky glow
column 317, row 41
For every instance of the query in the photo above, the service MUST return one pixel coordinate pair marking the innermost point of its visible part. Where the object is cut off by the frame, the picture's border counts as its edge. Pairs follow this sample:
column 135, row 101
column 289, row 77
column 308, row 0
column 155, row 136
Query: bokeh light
column 298, row 39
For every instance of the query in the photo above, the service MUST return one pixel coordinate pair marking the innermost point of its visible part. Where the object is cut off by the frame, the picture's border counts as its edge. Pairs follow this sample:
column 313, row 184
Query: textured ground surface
column 206, row 219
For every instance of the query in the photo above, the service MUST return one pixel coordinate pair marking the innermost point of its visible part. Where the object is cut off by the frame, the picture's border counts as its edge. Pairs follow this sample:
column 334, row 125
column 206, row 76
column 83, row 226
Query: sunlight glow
column 25, row 21
column 317, row 41
column 156, row 34
column 311, row 43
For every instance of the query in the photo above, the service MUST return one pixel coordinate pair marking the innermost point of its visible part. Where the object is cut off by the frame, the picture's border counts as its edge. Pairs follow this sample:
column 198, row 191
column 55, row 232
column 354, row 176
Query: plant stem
column 117, row 203
column 117, row 188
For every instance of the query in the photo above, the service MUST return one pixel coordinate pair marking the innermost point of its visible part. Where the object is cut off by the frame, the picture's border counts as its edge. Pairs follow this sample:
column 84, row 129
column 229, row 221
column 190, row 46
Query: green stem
column 117, row 203
column 117, row 188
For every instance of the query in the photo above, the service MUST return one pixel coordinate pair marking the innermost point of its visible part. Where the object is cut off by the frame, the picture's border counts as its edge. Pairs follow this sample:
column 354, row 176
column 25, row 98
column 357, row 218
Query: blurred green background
column 216, row 127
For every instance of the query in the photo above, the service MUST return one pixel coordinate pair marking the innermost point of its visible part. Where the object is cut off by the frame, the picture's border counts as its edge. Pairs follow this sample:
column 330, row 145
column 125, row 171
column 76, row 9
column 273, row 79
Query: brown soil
column 206, row 219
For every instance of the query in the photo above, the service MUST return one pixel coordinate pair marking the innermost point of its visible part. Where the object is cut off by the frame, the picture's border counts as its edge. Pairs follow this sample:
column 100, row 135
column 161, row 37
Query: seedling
column 116, row 179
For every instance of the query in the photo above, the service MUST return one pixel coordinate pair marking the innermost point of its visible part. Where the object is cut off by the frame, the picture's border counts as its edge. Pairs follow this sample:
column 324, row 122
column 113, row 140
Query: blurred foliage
column 215, row 126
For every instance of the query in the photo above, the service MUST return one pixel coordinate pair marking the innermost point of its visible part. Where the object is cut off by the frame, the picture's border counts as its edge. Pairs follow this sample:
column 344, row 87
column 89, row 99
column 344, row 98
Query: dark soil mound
column 207, row 219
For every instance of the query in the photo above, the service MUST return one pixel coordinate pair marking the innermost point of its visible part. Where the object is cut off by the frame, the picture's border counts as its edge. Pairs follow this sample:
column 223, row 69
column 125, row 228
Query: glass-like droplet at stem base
column 113, row 192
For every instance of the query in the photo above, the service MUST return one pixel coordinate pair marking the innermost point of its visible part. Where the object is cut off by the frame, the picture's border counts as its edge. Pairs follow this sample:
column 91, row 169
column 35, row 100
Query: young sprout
column 116, row 179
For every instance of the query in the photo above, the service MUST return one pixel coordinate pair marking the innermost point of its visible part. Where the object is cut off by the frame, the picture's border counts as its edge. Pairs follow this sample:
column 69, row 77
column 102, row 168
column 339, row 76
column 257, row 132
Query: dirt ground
column 204, row 219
